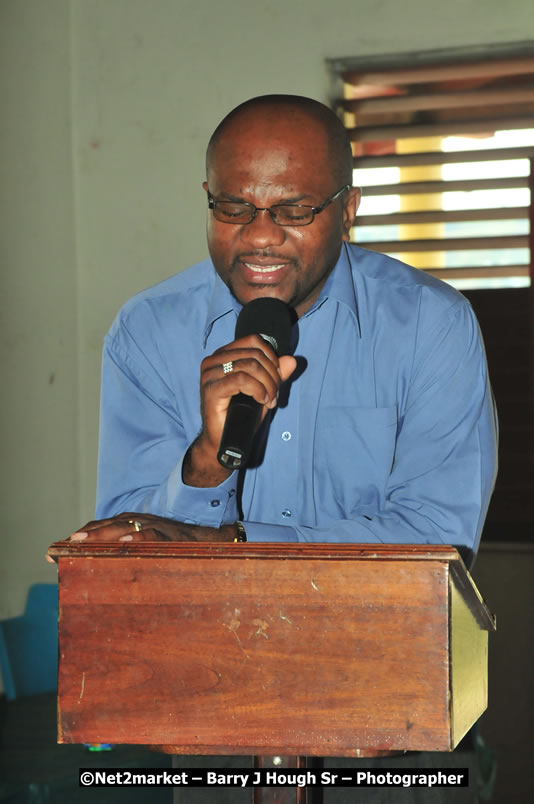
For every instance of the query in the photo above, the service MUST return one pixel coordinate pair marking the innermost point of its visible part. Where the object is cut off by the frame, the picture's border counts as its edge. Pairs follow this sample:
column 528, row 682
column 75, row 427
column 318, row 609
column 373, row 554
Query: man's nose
column 263, row 232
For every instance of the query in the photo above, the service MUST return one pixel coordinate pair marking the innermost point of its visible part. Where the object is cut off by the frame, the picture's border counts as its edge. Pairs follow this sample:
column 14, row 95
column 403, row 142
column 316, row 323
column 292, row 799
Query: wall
column 107, row 106
column 39, row 341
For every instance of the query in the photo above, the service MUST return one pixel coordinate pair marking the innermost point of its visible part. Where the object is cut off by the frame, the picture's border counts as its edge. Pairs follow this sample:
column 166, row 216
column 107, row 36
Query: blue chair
column 29, row 646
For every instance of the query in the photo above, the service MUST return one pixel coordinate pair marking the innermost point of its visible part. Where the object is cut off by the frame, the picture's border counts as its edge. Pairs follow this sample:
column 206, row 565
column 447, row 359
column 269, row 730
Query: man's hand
column 131, row 526
column 257, row 372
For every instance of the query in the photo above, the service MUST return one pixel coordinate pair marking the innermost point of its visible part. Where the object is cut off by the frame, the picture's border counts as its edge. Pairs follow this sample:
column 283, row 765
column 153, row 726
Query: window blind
column 443, row 148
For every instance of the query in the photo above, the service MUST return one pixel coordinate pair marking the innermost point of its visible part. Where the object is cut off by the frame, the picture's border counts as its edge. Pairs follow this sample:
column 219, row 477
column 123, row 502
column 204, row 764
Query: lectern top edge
column 288, row 551
column 266, row 550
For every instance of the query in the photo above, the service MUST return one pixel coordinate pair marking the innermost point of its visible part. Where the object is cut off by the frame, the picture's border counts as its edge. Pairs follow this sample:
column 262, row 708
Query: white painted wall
column 106, row 109
column 38, row 321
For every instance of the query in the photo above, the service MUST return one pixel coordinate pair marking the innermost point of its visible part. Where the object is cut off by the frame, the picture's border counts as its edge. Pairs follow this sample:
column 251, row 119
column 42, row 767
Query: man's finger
column 146, row 535
column 287, row 364
column 108, row 533
column 120, row 519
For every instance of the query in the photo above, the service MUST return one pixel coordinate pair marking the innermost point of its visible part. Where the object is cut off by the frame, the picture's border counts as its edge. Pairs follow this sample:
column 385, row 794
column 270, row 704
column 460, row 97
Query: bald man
column 378, row 428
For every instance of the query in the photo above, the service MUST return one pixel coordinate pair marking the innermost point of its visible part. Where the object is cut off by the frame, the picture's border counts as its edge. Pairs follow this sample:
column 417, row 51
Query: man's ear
column 205, row 186
column 350, row 208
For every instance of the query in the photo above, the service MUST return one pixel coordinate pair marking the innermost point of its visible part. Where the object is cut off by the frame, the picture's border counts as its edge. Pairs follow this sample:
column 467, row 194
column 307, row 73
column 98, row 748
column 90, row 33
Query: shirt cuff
column 211, row 507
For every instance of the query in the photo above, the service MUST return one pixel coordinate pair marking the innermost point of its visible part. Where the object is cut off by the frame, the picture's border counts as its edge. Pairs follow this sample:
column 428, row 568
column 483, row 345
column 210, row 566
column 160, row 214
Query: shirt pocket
column 354, row 453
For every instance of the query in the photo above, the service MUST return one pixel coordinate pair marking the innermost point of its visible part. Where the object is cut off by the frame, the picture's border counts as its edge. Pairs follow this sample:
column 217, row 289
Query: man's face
column 291, row 166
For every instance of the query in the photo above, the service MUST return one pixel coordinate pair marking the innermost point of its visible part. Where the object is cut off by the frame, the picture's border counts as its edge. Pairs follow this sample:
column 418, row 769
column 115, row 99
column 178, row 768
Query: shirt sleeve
column 445, row 459
column 143, row 444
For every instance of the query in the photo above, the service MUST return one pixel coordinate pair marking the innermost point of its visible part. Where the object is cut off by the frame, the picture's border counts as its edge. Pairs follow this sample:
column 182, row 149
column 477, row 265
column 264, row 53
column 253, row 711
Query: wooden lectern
column 264, row 649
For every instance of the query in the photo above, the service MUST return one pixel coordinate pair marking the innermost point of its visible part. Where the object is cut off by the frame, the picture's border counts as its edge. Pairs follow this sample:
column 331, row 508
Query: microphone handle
column 242, row 420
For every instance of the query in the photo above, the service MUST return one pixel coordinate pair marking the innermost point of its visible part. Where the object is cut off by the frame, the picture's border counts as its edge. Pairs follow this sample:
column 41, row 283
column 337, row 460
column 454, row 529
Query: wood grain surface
column 323, row 652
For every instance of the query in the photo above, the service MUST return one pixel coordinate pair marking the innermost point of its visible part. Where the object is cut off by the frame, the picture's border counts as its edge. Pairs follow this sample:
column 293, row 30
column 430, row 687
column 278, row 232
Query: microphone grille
column 270, row 318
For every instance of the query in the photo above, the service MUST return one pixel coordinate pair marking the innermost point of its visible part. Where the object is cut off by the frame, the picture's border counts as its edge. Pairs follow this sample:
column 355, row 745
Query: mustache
column 266, row 255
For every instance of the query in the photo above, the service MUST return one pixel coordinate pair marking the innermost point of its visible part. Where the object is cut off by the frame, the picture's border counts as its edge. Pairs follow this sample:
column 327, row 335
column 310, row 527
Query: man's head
column 279, row 149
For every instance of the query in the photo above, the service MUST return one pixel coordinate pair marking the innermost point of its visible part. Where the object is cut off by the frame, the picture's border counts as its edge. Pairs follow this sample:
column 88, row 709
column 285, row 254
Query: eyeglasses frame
column 314, row 210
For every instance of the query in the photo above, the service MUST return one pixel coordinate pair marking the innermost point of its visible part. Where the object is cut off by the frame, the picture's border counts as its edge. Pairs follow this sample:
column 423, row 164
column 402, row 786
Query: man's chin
column 257, row 291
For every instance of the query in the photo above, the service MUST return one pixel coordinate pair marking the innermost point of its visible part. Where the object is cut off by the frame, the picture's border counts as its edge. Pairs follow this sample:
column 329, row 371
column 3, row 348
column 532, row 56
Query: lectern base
column 463, row 757
column 281, row 795
column 219, row 795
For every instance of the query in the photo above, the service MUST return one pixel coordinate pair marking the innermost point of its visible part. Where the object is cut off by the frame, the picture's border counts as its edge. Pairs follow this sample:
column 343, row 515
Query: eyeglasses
column 282, row 214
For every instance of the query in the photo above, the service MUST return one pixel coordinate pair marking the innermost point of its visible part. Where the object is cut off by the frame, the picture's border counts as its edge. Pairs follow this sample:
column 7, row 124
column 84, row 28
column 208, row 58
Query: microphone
column 272, row 320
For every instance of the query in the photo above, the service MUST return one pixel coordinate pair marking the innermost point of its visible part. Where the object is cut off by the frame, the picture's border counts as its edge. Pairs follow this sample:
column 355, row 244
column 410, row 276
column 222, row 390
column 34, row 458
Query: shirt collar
column 221, row 303
column 338, row 287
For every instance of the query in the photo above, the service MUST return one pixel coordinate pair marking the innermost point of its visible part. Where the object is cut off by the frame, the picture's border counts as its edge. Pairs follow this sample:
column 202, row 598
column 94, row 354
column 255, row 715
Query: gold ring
column 137, row 525
column 228, row 367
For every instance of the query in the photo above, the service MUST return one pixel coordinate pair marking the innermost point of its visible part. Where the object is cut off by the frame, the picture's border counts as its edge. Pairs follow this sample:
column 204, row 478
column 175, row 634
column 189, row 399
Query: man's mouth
column 264, row 269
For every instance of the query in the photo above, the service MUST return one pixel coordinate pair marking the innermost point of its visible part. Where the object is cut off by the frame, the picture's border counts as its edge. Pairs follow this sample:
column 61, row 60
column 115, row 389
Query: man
column 379, row 428
column 384, row 430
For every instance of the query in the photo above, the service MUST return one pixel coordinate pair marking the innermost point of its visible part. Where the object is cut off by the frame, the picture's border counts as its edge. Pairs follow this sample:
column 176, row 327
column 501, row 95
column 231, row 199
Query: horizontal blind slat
column 439, row 100
column 476, row 273
column 444, row 157
column 418, row 187
column 444, row 128
column 443, row 216
column 448, row 244
column 436, row 73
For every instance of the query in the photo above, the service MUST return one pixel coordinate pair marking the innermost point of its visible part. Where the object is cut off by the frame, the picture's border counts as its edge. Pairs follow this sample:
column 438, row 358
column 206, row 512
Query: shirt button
column 286, row 435
column 286, row 513
column 215, row 503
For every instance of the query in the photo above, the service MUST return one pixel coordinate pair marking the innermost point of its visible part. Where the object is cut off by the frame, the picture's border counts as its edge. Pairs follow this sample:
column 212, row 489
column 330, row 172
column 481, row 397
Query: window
column 443, row 151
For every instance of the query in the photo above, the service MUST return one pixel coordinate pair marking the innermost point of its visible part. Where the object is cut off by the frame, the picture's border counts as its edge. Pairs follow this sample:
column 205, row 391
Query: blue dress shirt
column 386, row 433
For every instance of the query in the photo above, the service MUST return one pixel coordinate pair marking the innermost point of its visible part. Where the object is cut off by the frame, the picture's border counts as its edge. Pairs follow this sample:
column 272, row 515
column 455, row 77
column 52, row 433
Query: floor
column 34, row 769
